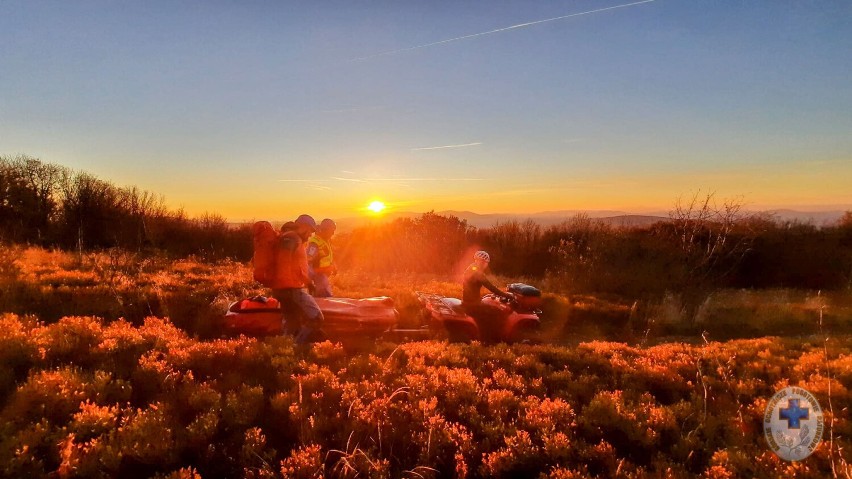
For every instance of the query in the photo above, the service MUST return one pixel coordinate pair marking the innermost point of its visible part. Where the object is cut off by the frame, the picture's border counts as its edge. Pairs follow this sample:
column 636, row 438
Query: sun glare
column 376, row 207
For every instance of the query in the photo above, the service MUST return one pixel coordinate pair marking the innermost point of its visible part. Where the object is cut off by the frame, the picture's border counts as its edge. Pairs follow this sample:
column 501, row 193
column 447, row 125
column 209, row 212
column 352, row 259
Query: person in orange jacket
column 301, row 315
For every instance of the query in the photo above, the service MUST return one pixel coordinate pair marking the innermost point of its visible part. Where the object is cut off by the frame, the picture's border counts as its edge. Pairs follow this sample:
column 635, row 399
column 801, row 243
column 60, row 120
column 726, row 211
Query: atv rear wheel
column 459, row 334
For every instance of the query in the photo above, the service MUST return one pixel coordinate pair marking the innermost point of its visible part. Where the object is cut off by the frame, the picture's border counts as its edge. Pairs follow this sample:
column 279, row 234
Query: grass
column 193, row 294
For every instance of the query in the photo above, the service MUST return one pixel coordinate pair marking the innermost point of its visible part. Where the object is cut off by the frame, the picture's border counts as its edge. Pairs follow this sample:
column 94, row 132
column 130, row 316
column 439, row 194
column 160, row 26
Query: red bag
column 265, row 238
column 258, row 316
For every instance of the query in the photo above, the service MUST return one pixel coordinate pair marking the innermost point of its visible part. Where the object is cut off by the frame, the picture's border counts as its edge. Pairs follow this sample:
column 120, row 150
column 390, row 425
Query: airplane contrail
column 353, row 110
column 513, row 27
column 445, row 146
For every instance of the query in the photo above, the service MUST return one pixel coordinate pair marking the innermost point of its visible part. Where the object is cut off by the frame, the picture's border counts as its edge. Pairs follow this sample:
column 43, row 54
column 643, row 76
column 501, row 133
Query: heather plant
column 255, row 455
column 150, row 436
column 71, row 340
column 120, row 347
column 519, row 457
column 303, row 463
column 51, row 394
column 636, row 429
column 92, row 399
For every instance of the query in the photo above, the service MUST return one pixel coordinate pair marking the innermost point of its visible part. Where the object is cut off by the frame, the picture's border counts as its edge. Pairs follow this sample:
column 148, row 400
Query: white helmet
column 483, row 255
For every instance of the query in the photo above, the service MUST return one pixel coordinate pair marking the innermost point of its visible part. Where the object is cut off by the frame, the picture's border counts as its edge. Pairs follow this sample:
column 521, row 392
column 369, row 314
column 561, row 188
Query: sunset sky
column 268, row 109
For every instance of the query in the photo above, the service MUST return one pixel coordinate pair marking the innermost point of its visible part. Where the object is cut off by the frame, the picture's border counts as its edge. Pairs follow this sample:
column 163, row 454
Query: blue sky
column 268, row 109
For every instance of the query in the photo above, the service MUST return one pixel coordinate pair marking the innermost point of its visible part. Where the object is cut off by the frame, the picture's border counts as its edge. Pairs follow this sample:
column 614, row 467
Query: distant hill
column 817, row 218
column 550, row 218
column 545, row 219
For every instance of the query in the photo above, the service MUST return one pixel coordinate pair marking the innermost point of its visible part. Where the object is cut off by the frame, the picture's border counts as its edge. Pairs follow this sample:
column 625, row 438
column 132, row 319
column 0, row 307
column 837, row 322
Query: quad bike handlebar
column 503, row 299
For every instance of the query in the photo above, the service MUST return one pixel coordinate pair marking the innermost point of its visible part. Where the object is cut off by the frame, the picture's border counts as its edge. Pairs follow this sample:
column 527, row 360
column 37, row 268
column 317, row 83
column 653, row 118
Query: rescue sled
column 344, row 317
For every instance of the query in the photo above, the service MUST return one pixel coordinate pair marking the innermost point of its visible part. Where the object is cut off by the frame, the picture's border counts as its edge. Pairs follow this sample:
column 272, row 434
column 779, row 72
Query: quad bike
column 519, row 320
column 377, row 318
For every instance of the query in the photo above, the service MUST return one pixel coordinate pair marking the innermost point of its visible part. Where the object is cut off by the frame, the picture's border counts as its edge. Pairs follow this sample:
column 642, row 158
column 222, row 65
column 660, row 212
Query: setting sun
column 376, row 206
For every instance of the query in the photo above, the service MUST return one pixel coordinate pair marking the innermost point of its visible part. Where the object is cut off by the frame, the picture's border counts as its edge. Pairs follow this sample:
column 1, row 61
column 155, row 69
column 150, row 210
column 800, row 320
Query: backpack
column 265, row 239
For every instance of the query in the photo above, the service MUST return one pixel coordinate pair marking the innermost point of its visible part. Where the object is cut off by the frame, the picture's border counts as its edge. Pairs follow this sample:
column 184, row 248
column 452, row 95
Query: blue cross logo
column 793, row 413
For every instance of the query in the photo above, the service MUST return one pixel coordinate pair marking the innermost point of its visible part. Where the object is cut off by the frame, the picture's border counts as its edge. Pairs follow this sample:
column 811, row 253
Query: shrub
column 19, row 351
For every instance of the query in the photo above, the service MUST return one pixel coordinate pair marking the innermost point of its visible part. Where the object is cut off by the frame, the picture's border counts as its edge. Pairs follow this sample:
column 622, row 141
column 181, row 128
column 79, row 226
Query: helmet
column 307, row 220
column 327, row 225
column 484, row 256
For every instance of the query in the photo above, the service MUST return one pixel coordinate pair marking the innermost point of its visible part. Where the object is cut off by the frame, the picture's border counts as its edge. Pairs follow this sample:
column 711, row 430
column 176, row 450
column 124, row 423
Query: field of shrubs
column 111, row 365
column 82, row 398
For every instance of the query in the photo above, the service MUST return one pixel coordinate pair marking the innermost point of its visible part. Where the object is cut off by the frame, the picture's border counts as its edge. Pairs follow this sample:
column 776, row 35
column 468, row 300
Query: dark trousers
column 302, row 317
column 488, row 318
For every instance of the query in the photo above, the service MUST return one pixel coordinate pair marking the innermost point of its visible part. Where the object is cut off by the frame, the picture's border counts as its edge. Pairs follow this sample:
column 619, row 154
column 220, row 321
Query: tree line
column 704, row 244
column 53, row 206
column 701, row 247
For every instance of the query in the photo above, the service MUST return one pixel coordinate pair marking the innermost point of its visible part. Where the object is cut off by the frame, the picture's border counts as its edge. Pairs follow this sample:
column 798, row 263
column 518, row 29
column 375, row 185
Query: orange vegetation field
column 85, row 393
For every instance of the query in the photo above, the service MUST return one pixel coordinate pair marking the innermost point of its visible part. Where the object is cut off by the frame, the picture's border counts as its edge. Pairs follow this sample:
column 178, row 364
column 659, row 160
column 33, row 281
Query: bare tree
column 710, row 243
column 11, row 187
column 41, row 179
column 91, row 211
column 140, row 207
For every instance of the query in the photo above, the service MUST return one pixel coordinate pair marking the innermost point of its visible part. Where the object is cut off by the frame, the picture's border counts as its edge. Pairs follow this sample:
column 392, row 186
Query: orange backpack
column 265, row 239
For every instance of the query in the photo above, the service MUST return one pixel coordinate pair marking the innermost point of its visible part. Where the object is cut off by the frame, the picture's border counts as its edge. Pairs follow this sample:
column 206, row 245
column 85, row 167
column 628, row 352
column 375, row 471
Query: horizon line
column 829, row 209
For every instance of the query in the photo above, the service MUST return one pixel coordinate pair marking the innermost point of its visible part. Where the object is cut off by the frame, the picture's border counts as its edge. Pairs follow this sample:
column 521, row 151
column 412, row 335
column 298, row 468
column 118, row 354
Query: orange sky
column 799, row 185
column 268, row 110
